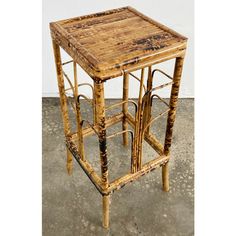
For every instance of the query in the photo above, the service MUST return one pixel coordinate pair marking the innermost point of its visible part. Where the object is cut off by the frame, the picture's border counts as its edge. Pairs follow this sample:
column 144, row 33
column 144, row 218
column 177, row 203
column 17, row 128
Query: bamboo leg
column 125, row 107
column 78, row 115
column 60, row 81
column 165, row 177
column 105, row 205
column 63, row 100
column 94, row 110
column 94, row 106
column 100, row 116
column 171, row 118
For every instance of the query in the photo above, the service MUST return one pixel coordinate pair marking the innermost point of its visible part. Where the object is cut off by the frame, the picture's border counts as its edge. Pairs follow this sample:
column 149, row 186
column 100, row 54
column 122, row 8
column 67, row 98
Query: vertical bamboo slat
column 125, row 107
column 100, row 115
column 139, row 125
column 94, row 105
column 94, row 108
column 171, row 118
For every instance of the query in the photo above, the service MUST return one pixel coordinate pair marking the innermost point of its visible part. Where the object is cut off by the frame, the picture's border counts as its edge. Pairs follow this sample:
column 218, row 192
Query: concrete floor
column 72, row 205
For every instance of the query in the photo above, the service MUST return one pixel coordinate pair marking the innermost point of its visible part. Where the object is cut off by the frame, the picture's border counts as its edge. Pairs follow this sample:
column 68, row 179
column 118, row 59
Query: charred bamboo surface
column 107, row 43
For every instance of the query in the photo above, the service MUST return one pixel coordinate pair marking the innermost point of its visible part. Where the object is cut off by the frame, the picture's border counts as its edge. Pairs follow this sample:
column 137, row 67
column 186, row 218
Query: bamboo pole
column 144, row 118
column 63, row 100
column 121, row 132
column 154, row 143
column 121, row 103
column 70, row 83
column 125, row 107
column 160, row 98
column 171, row 118
column 160, row 87
column 162, row 72
column 134, row 76
column 109, row 122
column 138, row 122
column 165, row 177
column 100, row 116
column 149, row 138
column 153, row 119
column 67, row 62
column 86, row 98
column 94, row 109
column 60, row 81
column 94, row 101
column 105, row 207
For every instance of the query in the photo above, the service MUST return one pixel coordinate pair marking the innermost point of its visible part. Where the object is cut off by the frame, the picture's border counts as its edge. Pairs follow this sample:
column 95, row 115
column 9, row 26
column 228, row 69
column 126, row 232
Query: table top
column 109, row 43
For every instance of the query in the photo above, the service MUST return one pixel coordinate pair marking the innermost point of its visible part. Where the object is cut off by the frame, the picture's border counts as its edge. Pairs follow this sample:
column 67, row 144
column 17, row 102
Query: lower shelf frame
column 120, row 182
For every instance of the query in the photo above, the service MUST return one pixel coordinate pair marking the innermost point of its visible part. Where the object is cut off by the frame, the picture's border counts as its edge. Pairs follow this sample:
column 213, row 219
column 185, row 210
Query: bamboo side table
column 107, row 45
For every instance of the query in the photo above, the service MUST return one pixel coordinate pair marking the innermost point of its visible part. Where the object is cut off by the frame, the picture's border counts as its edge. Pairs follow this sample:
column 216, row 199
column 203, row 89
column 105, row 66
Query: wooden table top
column 108, row 43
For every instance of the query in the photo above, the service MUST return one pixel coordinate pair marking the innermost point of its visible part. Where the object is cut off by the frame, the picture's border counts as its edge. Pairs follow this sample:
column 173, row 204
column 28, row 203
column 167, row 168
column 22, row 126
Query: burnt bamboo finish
column 136, row 41
column 107, row 45
column 63, row 100
column 125, row 107
column 138, row 122
column 171, row 117
column 100, row 114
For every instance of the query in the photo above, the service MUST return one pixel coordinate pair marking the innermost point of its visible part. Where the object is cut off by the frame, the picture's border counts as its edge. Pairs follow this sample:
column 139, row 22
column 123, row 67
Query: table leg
column 171, row 118
column 100, row 116
column 63, row 100
column 139, row 124
column 94, row 106
column 125, row 107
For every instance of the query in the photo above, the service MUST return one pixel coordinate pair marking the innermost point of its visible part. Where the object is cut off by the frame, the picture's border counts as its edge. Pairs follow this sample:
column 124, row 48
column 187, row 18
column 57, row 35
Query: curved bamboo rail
column 121, row 103
column 161, row 71
column 160, row 98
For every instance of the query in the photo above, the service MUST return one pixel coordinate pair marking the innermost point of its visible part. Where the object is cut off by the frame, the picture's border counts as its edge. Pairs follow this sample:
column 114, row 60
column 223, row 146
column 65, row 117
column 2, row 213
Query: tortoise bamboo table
column 107, row 45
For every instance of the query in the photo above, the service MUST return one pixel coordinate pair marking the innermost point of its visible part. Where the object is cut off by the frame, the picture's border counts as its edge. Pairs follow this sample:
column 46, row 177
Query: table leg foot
column 105, row 202
column 69, row 164
column 165, row 177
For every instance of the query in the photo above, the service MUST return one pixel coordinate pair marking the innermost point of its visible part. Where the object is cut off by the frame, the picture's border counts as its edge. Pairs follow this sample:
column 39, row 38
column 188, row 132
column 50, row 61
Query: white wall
column 176, row 14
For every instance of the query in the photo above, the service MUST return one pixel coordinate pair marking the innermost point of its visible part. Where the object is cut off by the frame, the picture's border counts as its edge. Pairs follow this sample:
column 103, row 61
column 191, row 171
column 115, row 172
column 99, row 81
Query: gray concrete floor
column 72, row 205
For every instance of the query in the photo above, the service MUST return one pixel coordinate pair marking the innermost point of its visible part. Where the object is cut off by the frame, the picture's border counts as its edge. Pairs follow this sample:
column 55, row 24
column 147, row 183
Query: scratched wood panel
column 108, row 43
